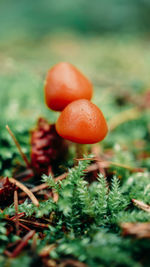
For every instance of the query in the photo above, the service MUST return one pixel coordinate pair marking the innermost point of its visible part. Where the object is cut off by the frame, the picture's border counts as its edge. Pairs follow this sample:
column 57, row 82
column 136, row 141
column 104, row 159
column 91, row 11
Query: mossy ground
column 118, row 66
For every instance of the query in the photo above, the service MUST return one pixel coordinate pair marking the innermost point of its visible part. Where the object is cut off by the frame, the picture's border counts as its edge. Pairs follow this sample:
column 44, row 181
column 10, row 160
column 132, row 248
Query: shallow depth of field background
column 109, row 41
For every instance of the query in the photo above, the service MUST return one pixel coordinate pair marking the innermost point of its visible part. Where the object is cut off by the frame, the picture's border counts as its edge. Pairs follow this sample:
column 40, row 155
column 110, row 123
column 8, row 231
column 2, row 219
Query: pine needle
column 19, row 147
column 124, row 116
column 139, row 230
column 16, row 211
column 26, row 190
column 21, row 245
column 141, row 205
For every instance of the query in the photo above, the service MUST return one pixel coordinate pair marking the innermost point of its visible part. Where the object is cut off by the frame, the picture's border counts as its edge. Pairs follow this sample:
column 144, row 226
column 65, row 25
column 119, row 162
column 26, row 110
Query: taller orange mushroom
column 65, row 84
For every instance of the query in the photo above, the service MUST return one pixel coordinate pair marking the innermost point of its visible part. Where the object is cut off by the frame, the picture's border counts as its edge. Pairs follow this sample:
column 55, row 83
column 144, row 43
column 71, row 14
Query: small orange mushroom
column 64, row 84
column 82, row 122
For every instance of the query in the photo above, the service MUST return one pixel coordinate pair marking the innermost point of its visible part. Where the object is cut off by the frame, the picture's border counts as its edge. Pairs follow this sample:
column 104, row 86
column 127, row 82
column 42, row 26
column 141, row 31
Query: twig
column 96, row 152
column 20, row 215
column 72, row 262
column 16, row 211
column 124, row 116
column 21, row 245
column 61, row 177
column 106, row 164
column 13, row 219
column 46, row 250
column 92, row 167
column 34, row 243
column 139, row 230
column 26, row 190
column 35, row 224
column 55, row 196
column 45, row 185
column 19, row 147
column 25, row 227
column 25, row 175
column 37, row 188
column 141, row 205
column 132, row 169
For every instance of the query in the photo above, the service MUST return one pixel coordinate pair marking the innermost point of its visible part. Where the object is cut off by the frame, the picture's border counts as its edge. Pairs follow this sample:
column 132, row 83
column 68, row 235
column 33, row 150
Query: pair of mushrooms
column 69, row 91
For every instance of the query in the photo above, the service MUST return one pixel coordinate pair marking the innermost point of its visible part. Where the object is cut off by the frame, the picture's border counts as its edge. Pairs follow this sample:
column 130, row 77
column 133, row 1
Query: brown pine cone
column 6, row 191
column 46, row 147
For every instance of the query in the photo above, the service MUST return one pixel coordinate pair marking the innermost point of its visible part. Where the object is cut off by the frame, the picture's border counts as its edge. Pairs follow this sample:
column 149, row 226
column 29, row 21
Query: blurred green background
column 34, row 19
column 107, row 40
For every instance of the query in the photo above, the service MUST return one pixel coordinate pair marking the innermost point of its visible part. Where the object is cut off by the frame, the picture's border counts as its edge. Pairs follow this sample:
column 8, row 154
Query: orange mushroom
column 82, row 122
column 64, row 84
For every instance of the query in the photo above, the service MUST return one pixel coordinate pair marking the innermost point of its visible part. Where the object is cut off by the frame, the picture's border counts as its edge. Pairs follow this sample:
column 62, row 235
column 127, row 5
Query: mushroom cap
column 82, row 122
column 64, row 84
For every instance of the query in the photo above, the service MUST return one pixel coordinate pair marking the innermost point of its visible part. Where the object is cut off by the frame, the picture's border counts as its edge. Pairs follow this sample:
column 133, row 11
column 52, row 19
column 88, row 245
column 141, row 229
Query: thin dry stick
column 61, row 177
column 139, row 230
column 92, row 167
column 72, row 262
column 106, row 164
column 141, row 205
column 34, row 243
column 132, row 169
column 45, row 185
column 20, row 215
column 37, row 188
column 19, row 147
column 24, row 227
column 26, row 190
column 35, row 224
column 127, row 115
column 20, row 224
column 16, row 211
column 21, row 245
column 55, row 196
column 46, row 250
column 96, row 151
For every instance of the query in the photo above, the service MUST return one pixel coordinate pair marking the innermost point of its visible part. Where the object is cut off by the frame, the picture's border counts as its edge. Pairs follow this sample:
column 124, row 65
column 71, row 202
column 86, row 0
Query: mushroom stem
column 81, row 149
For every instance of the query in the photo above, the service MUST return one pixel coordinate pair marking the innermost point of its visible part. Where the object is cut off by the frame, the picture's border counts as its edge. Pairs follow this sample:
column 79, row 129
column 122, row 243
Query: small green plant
column 93, row 220
column 85, row 221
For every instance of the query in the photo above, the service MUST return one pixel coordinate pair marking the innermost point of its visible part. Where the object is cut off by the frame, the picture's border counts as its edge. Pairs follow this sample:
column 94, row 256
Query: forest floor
column 115, row 231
